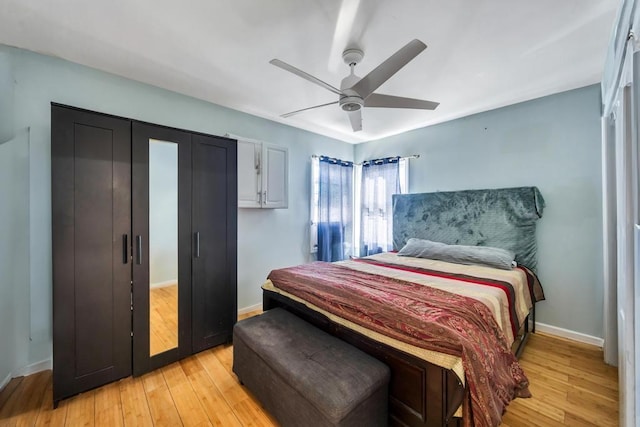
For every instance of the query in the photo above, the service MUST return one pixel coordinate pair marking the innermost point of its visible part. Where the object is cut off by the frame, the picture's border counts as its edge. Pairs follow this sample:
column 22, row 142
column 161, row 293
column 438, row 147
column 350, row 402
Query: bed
column 434, row 380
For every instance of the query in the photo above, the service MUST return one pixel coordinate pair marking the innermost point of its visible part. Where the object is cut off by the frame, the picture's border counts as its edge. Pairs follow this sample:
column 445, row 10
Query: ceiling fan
column 356, row 92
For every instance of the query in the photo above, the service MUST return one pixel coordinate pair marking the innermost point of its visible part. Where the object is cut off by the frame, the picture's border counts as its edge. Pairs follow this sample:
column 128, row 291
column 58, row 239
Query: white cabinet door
column 275, row 177
column 263, row 177
column 249, row 190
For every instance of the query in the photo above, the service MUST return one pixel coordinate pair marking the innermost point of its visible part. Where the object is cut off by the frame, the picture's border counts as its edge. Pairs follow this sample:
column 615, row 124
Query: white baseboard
column 568, row 334
column 5, row 381
column 43, row 365
column 253, row 307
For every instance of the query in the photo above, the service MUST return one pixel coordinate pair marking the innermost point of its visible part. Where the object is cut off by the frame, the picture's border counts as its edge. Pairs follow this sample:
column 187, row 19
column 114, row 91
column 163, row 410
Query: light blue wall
column 14, row 232
column 552, row 143
column 267, row 239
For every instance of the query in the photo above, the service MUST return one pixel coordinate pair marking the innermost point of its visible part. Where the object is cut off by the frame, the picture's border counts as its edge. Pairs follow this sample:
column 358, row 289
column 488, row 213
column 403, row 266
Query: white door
column 248, row 178
column 275, row 177
column 626, row 259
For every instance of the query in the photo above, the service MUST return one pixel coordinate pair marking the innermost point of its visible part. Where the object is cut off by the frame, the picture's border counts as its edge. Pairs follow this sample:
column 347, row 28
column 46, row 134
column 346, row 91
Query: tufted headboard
column 504, row 218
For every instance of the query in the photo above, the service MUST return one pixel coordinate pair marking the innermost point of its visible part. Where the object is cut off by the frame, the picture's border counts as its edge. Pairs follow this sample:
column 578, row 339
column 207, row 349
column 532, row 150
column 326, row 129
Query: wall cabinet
column 144, row 246
column 263, row 177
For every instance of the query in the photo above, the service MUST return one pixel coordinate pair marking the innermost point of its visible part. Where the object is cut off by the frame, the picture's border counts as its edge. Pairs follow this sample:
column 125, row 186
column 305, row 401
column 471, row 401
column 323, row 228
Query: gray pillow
column 459, row 254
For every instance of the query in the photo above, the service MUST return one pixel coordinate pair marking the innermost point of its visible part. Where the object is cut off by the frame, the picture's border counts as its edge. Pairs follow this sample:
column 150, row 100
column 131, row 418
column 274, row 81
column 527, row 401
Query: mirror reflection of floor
column 163, row 318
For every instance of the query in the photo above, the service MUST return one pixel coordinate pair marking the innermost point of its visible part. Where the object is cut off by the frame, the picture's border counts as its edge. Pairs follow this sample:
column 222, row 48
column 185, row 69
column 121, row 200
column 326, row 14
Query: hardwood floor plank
column 575, row 420
column 81, row 410
column 521, row 415
column 225, row 382
column 108, row 406
column 224, row 354
column 23, row 405
column 8, row 390
column 593, row 407
column 185, row 399
column 34, row 401
column 135, row 409
column 30, row 418
column 535, row 353
column 550, row 365
column 546, row 393
column 248, row 411
column 47, row 415
column 219, row 412
column 161, row 405
column 251, row 414
column 562, row 393
column 604, row 390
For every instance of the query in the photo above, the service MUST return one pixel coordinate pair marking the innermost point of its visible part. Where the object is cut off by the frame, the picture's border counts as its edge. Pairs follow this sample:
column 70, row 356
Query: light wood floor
column 570, row 385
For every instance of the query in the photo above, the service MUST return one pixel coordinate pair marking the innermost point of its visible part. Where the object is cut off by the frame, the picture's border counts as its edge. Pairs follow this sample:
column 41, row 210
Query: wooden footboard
column 420, row 393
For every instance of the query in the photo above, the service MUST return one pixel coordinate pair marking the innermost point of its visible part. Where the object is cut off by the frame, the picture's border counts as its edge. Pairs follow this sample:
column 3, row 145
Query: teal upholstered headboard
column 504, row 218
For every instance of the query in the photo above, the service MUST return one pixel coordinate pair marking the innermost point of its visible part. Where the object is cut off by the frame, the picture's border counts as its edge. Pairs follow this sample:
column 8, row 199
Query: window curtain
column 380, row 180
column 335, row 209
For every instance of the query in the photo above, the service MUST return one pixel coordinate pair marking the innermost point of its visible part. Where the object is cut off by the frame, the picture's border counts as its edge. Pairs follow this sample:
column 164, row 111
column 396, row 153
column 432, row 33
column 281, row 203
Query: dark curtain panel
column 335, row 209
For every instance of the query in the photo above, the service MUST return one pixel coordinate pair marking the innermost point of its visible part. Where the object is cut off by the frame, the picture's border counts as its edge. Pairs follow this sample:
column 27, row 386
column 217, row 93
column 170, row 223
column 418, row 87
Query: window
column 341, row 227
column 331, row 208
column 379, row 180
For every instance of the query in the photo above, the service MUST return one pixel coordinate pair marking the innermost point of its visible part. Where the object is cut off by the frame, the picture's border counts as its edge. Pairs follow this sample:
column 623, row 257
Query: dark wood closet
column 144, row 246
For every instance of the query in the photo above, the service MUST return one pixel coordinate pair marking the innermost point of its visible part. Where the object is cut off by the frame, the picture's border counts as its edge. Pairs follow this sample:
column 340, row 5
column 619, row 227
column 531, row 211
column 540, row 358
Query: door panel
column 275, row 177
column 91, row 202
column 214, row 240
column 249, row 189
column 148, row 253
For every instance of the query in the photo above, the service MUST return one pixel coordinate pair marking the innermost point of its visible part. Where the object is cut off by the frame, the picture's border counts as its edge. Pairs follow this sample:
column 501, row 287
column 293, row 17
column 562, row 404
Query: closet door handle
column 197, row 243
column 139, row 250
column 125, row 248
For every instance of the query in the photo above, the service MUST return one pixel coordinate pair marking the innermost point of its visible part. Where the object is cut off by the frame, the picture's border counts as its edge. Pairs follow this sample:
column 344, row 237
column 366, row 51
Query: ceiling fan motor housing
column 351, row 103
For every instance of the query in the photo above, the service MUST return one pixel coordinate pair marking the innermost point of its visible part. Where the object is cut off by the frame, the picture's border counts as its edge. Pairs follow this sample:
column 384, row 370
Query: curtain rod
column 413, row 156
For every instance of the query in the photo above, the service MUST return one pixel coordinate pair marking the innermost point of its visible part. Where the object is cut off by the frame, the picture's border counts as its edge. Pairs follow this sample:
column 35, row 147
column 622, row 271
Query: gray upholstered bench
column 306, row 377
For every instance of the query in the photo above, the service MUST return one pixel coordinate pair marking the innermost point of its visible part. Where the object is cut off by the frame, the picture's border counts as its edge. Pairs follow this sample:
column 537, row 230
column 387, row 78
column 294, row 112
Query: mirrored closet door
column 162, row 251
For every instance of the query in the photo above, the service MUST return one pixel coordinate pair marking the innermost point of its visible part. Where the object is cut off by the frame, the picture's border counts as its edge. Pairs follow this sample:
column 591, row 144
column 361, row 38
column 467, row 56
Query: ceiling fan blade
column 355, row 117
column 304, row 75
column 389, row 101
column 308, row 108
column 388, row 68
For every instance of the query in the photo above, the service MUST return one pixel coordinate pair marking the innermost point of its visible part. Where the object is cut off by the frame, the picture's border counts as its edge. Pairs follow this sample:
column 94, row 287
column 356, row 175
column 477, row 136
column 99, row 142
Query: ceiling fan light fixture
column 351, row 103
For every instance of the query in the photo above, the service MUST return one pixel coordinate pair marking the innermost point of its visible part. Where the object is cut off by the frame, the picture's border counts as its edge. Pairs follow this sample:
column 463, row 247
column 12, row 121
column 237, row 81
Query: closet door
column 215, row 204
column 91, row 223
column 161, row 246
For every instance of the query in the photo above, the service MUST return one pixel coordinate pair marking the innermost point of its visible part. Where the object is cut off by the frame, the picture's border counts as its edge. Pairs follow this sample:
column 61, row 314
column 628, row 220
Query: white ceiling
column 482, row 54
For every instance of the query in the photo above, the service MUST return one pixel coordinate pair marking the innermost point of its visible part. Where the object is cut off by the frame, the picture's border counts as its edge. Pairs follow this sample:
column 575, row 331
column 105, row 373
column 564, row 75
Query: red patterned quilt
column 422, row 316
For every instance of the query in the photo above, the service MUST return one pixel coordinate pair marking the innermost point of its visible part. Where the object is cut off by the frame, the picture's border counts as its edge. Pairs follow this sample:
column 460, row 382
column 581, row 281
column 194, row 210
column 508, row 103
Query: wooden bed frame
column 421, row 394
